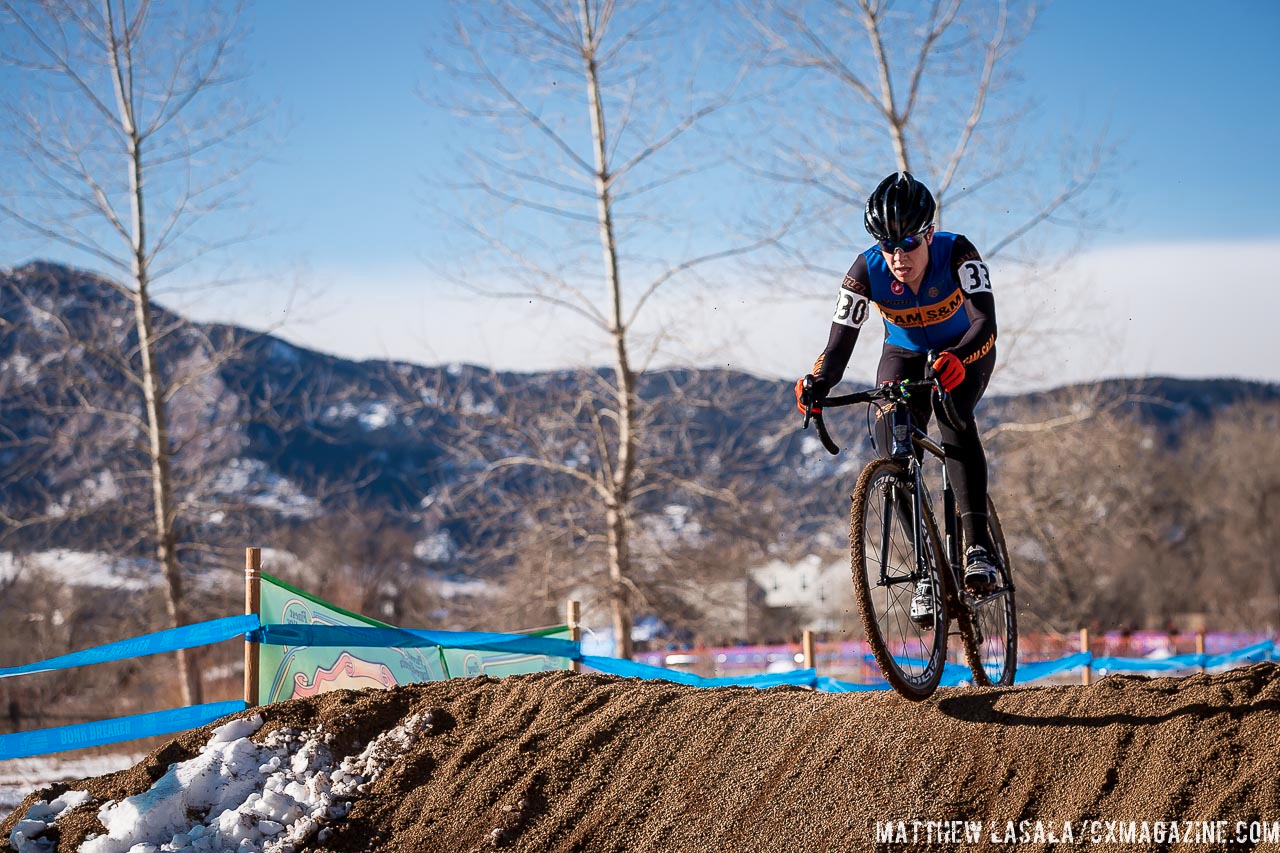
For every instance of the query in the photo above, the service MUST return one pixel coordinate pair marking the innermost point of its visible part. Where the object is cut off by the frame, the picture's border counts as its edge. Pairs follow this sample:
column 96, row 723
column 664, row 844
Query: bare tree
column 1234, row 466
column 690, row 525
column 596, row 116
column 868, row 86
column 125, row 129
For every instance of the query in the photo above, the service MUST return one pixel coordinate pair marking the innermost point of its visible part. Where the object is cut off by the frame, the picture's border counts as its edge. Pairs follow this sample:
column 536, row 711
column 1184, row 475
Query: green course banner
column 287, row 672
column 290, row 672
column 472, row 662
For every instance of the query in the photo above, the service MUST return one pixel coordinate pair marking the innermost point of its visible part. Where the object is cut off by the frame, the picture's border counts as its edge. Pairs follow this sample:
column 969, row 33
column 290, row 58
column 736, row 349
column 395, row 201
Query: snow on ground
column 252, row 480
column 21, row 776
column 82, row 568
column 236, row 795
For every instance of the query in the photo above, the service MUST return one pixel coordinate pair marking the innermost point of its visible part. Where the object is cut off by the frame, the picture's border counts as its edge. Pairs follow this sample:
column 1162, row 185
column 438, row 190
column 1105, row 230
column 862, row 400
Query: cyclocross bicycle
column 894, row 542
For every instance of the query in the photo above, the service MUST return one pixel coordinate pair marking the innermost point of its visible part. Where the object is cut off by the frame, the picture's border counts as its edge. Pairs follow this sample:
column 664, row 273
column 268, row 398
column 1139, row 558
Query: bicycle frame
column 901, row 469
column 922, row 498
column 950, row 531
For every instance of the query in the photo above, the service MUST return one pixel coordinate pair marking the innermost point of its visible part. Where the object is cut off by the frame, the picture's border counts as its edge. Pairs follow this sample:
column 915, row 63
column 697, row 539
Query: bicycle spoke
column 991, row 644
column 886, row 571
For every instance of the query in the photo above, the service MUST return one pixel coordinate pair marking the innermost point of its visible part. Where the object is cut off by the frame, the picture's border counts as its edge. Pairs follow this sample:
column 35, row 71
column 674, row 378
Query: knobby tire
column 994, row 661
column 885, row 610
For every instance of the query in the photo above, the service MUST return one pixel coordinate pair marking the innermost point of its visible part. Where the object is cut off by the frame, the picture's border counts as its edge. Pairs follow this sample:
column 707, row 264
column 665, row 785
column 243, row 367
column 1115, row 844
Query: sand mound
column 561, row 762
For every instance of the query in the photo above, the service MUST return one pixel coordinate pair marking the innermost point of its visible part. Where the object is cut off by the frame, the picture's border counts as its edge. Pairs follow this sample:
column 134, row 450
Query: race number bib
column 974, row 277
column 851, row 310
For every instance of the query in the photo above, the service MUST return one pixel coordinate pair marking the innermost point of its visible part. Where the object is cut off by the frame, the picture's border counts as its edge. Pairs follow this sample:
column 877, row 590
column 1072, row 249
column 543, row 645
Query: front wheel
column 886, row 570
column 989, row 625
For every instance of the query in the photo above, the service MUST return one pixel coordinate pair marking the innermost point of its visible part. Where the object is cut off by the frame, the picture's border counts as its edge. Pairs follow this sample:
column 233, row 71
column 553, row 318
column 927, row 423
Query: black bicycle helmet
column 899, row 207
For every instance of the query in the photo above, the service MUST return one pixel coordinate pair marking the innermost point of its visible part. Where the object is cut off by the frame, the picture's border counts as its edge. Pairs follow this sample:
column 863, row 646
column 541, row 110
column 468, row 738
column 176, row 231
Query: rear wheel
column 886, row 569
column 989, row 626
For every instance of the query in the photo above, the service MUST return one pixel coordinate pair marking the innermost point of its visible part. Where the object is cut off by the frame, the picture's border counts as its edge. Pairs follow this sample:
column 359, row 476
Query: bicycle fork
column 915, row 521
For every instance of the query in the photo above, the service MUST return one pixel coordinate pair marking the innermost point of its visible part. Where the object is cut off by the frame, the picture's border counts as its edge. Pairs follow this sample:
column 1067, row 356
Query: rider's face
column 909, row 267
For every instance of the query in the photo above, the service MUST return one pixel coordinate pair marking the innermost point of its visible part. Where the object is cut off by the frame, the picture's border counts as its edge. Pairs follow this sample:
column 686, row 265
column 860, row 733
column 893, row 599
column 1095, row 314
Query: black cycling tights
column 966, row 460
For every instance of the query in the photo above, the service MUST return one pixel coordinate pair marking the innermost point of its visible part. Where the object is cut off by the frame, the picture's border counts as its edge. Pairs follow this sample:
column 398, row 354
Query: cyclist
column 934, row 293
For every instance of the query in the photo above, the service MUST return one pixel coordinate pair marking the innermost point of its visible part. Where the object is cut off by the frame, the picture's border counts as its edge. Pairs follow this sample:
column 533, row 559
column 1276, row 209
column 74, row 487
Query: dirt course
column 560, row 762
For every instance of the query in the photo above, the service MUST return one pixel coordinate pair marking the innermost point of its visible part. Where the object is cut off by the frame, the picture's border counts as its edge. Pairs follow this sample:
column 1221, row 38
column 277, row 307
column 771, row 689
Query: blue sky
column 1190, row 94
column 1192, row 90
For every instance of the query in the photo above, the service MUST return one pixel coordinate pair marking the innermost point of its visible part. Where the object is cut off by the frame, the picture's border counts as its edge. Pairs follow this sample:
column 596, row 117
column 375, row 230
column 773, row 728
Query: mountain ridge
column 283, row 433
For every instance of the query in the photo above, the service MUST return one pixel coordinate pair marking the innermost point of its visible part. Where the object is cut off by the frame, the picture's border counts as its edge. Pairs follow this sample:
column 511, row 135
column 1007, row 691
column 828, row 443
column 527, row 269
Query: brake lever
column 808, row 410
column 948, row 412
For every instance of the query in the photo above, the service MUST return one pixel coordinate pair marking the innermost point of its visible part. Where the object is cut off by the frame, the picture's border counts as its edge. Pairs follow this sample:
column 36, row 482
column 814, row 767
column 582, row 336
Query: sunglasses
column 906, row 244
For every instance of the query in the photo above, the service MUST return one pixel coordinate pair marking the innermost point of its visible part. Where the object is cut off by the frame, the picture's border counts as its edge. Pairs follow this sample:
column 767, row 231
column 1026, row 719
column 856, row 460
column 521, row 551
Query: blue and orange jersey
column 932, row 317
column 952, row 309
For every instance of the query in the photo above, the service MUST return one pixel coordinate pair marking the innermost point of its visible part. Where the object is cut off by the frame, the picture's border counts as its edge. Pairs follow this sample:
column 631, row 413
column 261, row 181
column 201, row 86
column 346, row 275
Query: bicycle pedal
column 980, row 599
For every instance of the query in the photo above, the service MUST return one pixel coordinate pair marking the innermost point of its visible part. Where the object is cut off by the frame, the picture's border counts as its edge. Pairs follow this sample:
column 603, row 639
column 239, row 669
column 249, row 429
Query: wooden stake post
column 1086, row 674
column 252, row 587
column 806, row 643
column 573, row 617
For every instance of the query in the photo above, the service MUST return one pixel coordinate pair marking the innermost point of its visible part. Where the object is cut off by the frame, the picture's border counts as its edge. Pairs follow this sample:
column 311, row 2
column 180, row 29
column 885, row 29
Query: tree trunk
column 154, row 399
column 618, row 510
column 162, row 496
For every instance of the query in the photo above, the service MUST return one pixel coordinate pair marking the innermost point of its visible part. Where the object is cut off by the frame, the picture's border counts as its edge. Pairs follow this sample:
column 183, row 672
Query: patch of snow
column 21, row 776
column 26, row 835
column 239, row 795
column 80, row 568
column 469, row 406
column 95, row 491
column 277, row 561
column 436, row 548
column 376, row 415
column 346, row 411
column 252, row 481
column 449, row 589
column 20, row 366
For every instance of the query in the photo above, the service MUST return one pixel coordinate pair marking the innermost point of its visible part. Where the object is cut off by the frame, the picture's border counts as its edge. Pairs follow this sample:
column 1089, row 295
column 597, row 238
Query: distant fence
column 851, row 660
column 498, row 649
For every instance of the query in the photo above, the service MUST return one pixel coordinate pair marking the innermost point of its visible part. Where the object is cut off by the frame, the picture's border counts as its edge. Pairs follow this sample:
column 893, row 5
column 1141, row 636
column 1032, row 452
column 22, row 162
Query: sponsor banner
column 310, row 646
column 295, row 671
column 497, row 663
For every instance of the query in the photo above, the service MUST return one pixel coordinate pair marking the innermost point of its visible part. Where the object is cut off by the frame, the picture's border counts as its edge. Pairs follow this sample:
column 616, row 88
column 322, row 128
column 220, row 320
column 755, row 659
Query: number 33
column 974, row 277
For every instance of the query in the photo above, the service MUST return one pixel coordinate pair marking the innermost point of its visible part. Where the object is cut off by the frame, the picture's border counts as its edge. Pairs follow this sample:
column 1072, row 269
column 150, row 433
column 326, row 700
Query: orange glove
column 804, row 398
column 949, row 371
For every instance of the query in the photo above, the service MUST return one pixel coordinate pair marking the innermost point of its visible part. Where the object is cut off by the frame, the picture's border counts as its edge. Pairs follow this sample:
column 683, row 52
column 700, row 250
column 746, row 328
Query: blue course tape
column 185, row 637
column 827, row 684
column 1256, row 652
column 1265, row 650
column 632, row 669
column 1169, row 664
column 404, row 638
column 1044, row 669
column 800, row 677
column 44, row 741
